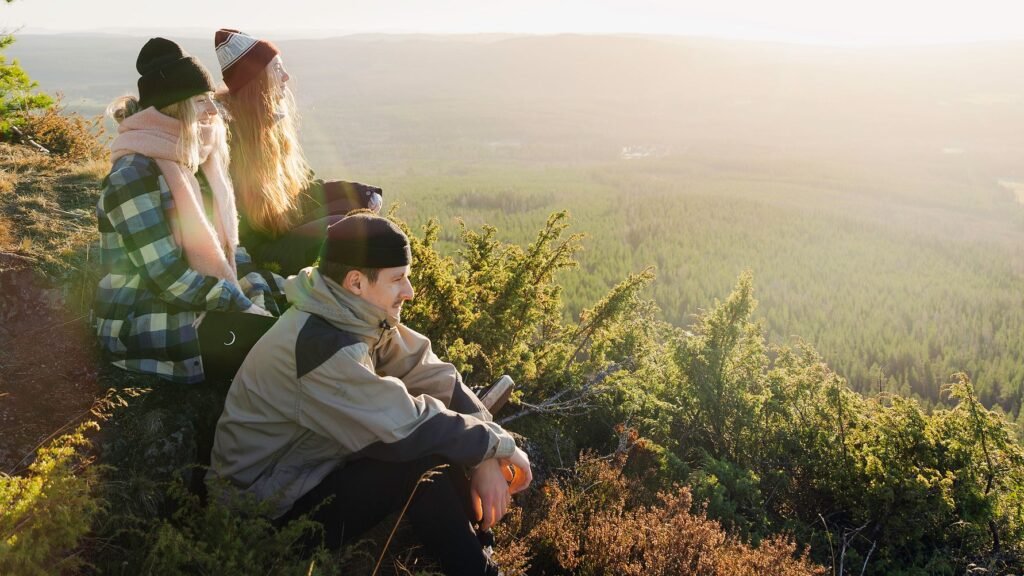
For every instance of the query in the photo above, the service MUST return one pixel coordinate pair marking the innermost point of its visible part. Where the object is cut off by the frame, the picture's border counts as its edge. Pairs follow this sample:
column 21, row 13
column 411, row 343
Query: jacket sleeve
column 409, row 357
column 132, row 203
column 376, row 417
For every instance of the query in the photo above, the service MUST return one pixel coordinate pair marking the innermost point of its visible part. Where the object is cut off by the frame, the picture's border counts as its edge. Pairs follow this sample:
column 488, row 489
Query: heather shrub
column 68, row 135
column 587, row 523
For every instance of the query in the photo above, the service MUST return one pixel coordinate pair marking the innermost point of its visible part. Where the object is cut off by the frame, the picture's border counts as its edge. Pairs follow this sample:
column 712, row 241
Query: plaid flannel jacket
column 148, row 300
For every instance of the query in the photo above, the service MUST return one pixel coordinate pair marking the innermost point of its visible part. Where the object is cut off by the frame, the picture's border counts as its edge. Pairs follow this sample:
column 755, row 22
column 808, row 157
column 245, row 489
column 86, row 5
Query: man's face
column 389, row 292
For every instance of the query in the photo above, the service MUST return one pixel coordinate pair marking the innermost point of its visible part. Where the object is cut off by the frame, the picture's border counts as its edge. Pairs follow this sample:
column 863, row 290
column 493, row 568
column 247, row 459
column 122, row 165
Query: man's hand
column 493, row 484
column 521, row 473
column 490, row 493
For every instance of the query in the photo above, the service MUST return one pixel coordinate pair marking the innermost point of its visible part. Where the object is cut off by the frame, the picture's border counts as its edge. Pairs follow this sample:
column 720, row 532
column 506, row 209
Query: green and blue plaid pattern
column 148, row 301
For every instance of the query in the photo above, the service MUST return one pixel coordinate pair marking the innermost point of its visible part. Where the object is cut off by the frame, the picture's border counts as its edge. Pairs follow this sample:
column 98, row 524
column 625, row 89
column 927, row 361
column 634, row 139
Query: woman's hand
column 255, row 309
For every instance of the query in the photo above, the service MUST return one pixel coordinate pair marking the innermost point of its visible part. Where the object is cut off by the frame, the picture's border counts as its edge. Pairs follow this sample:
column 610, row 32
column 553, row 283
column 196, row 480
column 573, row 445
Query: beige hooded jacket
column 337, row 379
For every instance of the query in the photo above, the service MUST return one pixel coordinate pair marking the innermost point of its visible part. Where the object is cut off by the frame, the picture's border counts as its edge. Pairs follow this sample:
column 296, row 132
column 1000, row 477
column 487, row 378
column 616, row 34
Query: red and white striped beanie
column 241, row 56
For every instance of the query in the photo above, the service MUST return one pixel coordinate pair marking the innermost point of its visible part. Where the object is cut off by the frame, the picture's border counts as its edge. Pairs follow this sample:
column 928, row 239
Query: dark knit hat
column 365, row 240
column 241, row 56
column 169, row 74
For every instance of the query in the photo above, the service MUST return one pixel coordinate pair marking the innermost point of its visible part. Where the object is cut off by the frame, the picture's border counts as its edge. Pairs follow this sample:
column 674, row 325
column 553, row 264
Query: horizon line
column 327, row 33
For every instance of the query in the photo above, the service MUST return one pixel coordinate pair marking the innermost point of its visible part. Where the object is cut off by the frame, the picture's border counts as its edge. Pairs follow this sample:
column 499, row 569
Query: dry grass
column 48, row 214
column 92, row 170
column 7, row 182
column 6, row 235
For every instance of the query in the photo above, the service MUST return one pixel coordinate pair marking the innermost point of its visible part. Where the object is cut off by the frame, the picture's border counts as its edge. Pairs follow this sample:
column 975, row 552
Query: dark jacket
column 319, row 206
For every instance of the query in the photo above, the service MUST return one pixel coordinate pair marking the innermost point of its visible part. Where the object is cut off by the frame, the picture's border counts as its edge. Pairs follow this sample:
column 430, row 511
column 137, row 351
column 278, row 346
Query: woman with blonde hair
column 168, row 222
column 284, row 210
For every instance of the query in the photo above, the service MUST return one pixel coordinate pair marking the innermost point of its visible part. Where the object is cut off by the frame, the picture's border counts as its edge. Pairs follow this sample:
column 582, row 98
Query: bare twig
column 828, row 534
column 107, row 401
column 28, row 140
column 868, row 557
column 18, row 256
column 425, row 477
column 559, row 404
column 847, row 537
column 51, row 327
column 75, row 214
column 558, row 450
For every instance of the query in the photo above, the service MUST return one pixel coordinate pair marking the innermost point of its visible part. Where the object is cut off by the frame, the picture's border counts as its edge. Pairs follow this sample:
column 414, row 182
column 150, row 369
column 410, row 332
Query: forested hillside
column 874, row 193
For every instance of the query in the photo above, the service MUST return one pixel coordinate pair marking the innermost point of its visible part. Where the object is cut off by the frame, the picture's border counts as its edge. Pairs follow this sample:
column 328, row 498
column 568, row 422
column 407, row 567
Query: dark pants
column 365, row 491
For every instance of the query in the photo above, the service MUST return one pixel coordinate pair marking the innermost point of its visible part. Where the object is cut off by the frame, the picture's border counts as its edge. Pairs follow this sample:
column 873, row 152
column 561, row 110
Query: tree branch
column 558, row 404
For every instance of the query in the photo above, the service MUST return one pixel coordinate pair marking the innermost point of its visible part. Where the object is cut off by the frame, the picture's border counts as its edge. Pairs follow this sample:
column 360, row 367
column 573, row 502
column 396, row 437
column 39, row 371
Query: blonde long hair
column 268, row 168
column 189, row 139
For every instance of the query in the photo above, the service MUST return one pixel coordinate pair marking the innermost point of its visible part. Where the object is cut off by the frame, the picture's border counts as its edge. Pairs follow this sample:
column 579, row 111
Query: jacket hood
column 312, row 292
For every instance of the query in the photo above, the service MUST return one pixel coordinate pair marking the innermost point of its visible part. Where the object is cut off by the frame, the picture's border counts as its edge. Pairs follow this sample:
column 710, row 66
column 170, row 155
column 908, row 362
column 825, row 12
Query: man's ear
column 354, row 282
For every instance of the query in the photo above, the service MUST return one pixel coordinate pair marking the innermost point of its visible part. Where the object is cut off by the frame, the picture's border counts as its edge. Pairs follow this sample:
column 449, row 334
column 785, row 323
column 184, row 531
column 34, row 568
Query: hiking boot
column 493, row 569
column 496, row 395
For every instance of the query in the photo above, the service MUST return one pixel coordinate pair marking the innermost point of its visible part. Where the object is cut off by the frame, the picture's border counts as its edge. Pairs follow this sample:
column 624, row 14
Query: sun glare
column 803, row 21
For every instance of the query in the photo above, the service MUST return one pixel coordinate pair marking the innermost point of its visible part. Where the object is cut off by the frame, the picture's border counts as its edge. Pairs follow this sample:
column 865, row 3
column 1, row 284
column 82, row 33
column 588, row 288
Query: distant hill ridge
column 637, row 90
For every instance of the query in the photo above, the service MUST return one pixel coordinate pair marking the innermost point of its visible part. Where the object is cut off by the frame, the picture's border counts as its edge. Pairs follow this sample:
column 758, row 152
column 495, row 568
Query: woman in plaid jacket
column 168, row 234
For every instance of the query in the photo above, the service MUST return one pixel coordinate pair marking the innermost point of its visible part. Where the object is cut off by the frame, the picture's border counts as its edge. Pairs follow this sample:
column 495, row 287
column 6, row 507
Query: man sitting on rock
column 340, row 400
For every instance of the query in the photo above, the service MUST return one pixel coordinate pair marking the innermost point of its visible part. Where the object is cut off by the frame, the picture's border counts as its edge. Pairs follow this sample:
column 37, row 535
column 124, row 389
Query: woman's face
column 279, row 87
column 278, row 72
column 206, row 108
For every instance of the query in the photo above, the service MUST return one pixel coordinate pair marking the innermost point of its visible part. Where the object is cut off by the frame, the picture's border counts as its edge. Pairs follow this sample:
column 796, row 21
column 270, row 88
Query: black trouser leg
column 440, row 520
column 365, row 491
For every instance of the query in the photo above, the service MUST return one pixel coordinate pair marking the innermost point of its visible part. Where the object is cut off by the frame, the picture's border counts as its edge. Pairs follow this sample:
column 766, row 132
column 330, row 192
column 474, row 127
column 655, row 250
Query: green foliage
column 770, row 438
column 731, row 494
column 497, row 310
column 17, row 92
column 43, row 118
column 876, row 484
column 217, row 539
column 894, row 300
column 724, row 360
column 497, row 301
column 46, row 513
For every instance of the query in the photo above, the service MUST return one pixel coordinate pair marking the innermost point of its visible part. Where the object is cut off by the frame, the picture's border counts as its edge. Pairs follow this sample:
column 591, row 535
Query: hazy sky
column 826, row 21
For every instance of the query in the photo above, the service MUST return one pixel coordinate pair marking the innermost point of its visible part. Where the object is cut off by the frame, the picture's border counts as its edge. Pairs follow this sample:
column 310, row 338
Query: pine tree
column 18, row 94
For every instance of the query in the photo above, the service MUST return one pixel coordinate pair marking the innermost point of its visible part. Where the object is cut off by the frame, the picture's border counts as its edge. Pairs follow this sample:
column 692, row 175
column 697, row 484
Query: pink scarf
column 209, row 248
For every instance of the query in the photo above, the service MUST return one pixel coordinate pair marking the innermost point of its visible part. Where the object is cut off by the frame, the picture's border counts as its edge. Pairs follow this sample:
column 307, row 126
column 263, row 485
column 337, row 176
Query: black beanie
column 364, row 240
column 169, row 74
